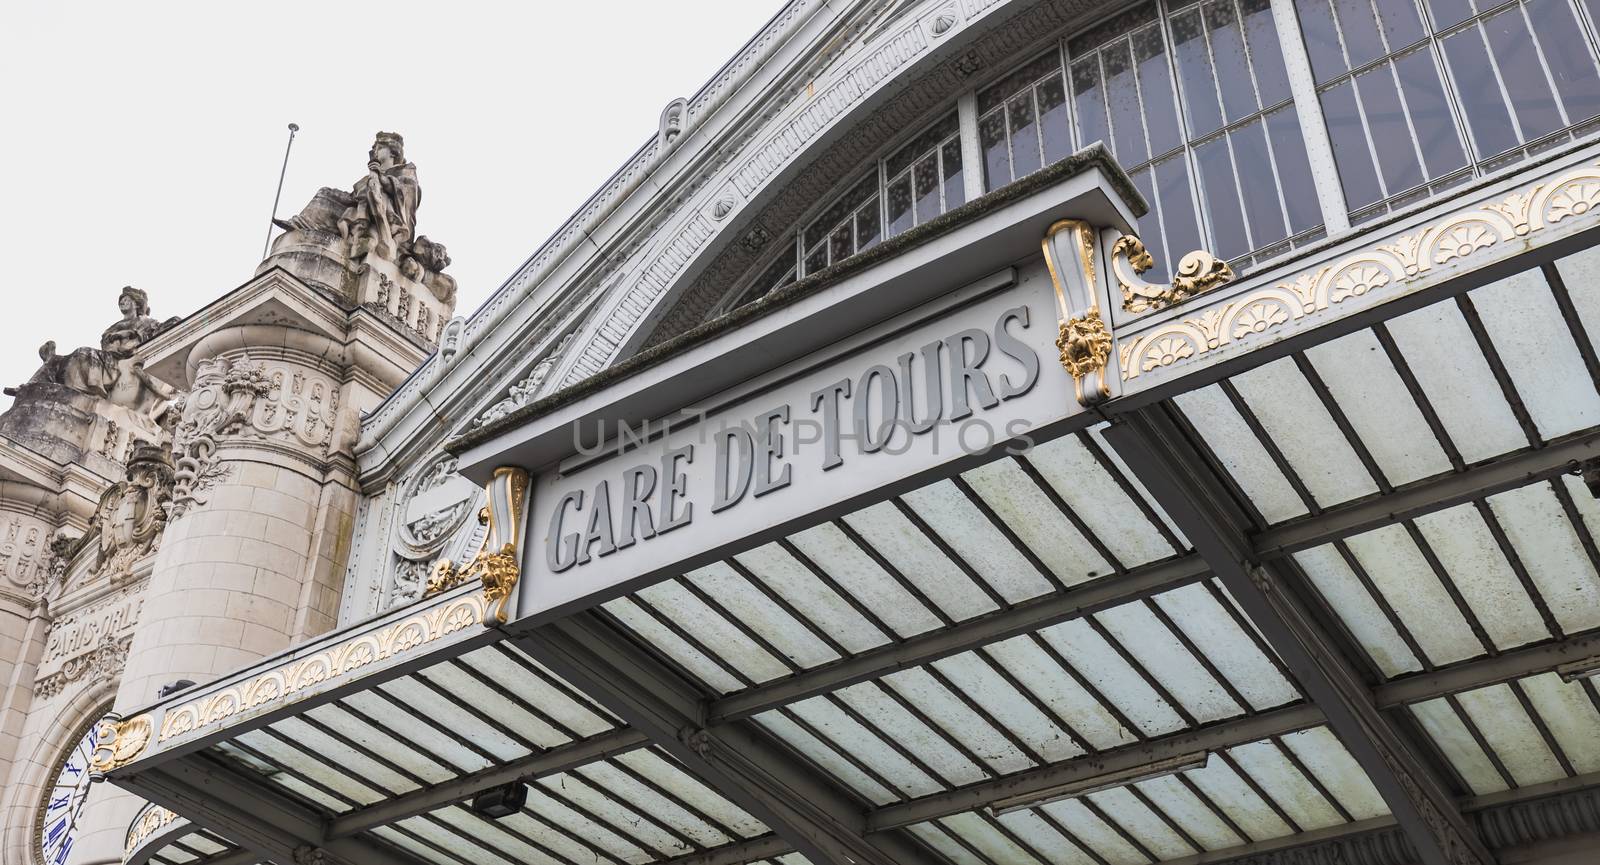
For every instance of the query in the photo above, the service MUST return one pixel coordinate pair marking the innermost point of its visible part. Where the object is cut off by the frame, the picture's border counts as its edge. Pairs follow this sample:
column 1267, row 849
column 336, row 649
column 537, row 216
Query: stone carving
column 1085, row 345
column 108, row 372
column 424, row 262
column 104, row 663
column 133, row 512
column 223, row 397
column 672, row 121
column 450, row 339
column 378, row 215
column 24, row 559
column 298, row 405
column 523, row 391
column 62, row 549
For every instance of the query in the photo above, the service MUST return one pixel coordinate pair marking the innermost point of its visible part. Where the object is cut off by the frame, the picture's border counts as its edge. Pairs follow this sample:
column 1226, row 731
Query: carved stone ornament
column 1197, row 272
column 223, row 397
column 132, row 513
column 120, row 742
column 496, row 565
column 108, row 372
column 1084, row 340
column 523, row 391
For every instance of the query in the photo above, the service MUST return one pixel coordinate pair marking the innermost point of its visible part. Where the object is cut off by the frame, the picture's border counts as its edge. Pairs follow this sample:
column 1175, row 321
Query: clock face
column 63, row 800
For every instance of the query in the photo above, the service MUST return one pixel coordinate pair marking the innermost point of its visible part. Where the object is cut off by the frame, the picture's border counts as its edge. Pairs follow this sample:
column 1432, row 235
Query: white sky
column 140, row 143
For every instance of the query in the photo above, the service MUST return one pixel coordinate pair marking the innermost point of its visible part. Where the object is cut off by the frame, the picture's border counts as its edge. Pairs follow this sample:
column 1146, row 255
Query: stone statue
column 109, row 372
column 383, row 217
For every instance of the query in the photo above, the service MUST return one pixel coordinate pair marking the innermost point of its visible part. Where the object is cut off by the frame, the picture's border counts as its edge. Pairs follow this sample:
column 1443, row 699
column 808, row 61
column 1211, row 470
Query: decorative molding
column 497, row 563
column 1083, row 340
column 151, row 819
column 220, row 403
column 1455, row 240
column 103, row 663
column 1197, row 272
column 523, row 392
column 406, row 636
column 119, row 742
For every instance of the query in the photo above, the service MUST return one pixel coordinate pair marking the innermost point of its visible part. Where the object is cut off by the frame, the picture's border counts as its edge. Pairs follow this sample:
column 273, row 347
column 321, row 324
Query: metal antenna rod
column 266, row 244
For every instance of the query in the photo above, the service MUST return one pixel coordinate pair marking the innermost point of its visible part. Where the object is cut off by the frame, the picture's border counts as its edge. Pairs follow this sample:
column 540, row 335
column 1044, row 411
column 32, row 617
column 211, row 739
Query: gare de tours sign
column 977, row 372
column 804, row 414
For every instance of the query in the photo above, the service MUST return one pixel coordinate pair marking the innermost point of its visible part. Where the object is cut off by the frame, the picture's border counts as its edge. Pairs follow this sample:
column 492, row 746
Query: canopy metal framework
column 1338, row 596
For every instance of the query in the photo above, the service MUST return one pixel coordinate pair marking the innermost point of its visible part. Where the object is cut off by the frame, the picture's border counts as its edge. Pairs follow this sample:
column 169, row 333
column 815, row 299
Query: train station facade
column 967, row 431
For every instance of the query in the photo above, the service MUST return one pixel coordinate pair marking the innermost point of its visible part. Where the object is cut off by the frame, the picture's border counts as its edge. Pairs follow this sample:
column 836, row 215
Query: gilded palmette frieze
column 408, row 635
column 497, row 564
column 1083, row 339
column 1463, row 239
column 1197, row 272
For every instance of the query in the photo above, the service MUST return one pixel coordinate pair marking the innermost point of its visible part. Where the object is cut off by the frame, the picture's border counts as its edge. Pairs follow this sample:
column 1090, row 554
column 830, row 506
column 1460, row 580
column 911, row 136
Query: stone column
column 253, row 558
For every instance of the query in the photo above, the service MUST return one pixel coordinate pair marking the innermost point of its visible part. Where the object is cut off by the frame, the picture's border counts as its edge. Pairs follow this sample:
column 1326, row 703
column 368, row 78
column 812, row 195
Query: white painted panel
column 1185, row 808
column 940, row 840
column 910, row 551
column 995, row 846
column 1464, row 545
column 349, row 760
column 1453, row 738
column 656, row 634
column 1293, row 791
column 1213, row 631
column 989, row 690
column 891, row 722
column 1139, row 821
column 802, row 590
column 540, row 690
column 762, row 615
column 1047, row 839
column 559, row 812
column 315, row 767
column 1230, row 793
column 485, row 699
column 976, row 540
column 1025, row 508
column 1536, row 346
column 1580, row 273
column 1381, row 410
column 848, row 736
column 1571, row 717
column 1510, row 732
column 1412, row 589
column 401, row 752
column 666, row 775
column 1551, row 551
column 1241, row 453
column 1355, row 607
column 472, row 853
column 640, row 798
column 1039, row 673
column 1438, row 346
column 407, row 728
column 1101, row 666
column 1160, row 653
column 825, row 756
column 1097, row 432
column 574, row 789
column 1322, row 753
column 1094, row 832
column 495, row 833
column 858, row 574
column 446, row 714
column 1300, row 426
column 1099, row 501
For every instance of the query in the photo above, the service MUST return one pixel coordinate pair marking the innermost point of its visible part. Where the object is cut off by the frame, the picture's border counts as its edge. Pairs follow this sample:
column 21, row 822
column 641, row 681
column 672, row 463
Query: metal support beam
column 535, row 765
column 250, row 814
column 1024, row 618
column 808, row 810
column 1435, row 494
column 1163, row 459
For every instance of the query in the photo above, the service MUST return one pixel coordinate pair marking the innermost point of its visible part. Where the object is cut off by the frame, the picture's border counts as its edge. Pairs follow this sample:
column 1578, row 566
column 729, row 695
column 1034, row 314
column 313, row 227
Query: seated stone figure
column 108, row 372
